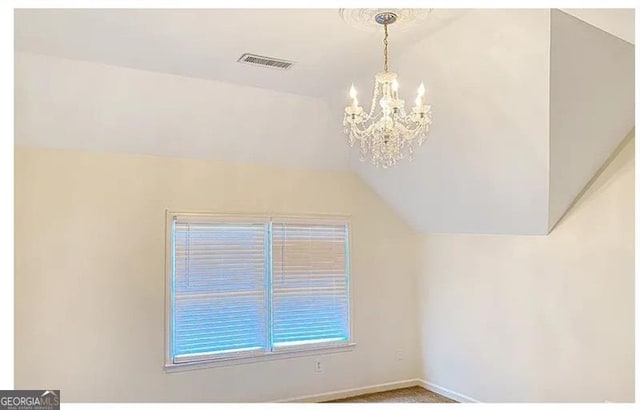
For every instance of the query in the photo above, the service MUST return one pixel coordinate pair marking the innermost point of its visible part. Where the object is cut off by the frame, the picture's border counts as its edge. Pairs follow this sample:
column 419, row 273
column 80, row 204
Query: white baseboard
column 343, row 394
column 459, row 397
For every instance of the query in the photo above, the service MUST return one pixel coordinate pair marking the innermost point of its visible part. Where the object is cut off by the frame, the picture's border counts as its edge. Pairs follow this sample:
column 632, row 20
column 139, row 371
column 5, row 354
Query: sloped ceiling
column 483, row 167
column 72, row 104
column 206, row 43
column 617, row 22
column 166, row 82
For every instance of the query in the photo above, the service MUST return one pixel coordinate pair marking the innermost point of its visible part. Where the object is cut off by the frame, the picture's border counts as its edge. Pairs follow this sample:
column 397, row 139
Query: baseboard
column 459, row 397
column 343, row 394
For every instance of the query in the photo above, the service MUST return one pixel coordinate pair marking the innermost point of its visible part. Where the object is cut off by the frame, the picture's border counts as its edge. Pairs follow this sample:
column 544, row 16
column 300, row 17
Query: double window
column 241, row 287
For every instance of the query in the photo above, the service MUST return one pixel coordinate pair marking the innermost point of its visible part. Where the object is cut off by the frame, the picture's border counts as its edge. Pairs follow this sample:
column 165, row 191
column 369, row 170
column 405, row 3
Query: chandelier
column 386, row 135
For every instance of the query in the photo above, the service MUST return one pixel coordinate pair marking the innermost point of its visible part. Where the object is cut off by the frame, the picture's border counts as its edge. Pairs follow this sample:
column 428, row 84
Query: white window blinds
column 219, row 298
column 310, row 289
column 242, row 287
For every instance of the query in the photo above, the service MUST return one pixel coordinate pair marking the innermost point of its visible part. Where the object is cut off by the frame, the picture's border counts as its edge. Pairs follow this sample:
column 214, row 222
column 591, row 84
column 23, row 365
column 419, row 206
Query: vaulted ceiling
column 528, row 104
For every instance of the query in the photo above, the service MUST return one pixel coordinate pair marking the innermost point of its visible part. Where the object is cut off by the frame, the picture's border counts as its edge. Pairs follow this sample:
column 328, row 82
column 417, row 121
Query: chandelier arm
column 416, row 126
column 356, row 132
column 416, row 133
column 361, row 133
column 412, row 133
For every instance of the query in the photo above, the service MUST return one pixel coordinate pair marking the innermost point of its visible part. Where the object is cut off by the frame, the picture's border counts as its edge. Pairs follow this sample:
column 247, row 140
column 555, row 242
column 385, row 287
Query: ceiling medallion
column 386, row 135
column 365, row 19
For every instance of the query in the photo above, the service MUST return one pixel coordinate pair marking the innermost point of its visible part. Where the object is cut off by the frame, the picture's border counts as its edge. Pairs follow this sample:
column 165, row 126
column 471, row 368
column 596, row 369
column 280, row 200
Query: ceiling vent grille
column 267, row 62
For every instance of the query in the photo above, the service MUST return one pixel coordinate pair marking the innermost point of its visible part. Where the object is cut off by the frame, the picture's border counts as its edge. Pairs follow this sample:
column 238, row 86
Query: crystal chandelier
column 386, row 135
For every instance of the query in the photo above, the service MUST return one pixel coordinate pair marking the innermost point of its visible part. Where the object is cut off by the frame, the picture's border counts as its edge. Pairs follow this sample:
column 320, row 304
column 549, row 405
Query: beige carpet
column 409, row 395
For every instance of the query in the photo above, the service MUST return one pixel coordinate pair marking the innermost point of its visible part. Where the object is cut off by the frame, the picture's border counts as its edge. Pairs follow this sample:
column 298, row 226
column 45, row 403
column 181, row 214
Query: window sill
column 276, row 355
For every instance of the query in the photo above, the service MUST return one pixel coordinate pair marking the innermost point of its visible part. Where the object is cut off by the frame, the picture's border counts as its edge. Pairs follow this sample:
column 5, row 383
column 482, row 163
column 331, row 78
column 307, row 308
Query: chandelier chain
column 386, row 48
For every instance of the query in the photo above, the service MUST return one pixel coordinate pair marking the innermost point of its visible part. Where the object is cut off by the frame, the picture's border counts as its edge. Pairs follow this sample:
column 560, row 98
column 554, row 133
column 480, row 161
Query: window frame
column 271, row 352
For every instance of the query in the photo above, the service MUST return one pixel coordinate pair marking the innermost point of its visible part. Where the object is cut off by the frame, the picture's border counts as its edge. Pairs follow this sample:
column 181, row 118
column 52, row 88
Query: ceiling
column 207, row 43
column 617, row 22
column 166, row 82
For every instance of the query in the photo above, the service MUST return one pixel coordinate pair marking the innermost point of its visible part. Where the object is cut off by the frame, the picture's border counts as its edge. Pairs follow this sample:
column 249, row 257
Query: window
column 247, row 288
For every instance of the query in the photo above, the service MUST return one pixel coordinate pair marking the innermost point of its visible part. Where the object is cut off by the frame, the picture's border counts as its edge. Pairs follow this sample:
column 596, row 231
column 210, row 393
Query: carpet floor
column 414, row 394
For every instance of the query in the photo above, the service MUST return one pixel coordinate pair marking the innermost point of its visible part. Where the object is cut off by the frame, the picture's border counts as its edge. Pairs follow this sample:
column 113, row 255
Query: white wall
column 522, row 318
column 89, row 276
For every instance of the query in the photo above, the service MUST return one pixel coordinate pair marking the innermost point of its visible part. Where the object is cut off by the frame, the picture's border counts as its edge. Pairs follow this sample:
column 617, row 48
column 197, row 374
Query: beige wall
column 499, row 318
column 526, row 318
column 89, row 277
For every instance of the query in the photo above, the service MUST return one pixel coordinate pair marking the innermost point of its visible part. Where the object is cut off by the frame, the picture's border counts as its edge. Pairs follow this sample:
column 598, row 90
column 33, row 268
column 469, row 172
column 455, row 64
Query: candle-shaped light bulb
column 420, row 95
column 352, row 92
column 394, row 89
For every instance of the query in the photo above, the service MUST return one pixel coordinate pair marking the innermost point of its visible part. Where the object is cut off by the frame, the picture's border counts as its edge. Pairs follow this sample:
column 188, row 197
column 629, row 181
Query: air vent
column 267, row 62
